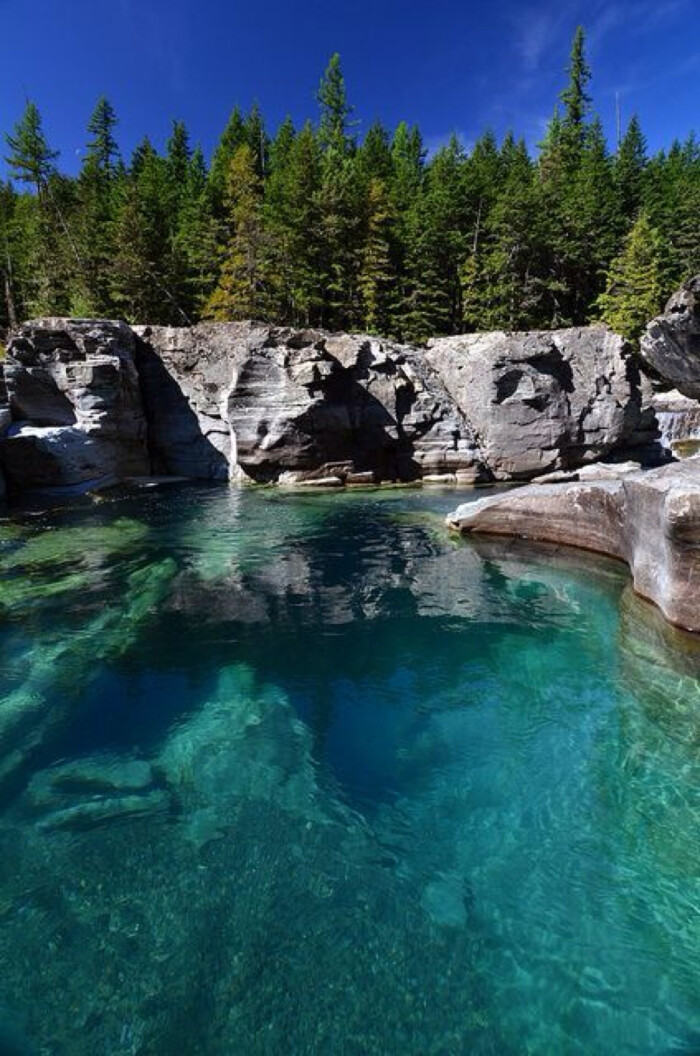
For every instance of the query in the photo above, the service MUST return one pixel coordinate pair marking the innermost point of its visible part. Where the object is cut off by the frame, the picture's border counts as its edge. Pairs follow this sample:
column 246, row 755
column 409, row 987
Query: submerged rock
column 245, row 742
column 651, row 520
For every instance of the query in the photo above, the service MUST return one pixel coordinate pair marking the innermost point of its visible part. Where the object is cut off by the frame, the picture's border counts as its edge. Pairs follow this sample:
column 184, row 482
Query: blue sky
column 450, row 65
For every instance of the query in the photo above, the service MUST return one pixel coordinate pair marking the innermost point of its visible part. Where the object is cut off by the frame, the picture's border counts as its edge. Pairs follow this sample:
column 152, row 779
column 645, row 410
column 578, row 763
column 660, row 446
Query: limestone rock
column 544, row 401
column 74, row 399
column 649, row 519
column 243, row 399
column 671, row 344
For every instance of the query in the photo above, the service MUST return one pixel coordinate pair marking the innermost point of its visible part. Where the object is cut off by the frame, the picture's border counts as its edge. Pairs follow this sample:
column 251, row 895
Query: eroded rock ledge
column 649, row 519
column 91, row 399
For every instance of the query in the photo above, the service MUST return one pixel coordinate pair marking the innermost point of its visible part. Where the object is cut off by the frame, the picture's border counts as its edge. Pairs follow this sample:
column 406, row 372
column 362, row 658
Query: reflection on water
column 302, row 774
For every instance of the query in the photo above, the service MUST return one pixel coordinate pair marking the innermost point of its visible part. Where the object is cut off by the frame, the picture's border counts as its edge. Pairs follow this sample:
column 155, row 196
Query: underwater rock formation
column 649, row 519
column 74, row 410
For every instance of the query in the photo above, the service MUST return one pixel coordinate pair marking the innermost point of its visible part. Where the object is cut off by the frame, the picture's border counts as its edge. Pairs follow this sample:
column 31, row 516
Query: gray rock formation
column 543, row 401
column 94, row 400
column 75, row 404
column 649, row 519
column 233, row 398
column 671, row 344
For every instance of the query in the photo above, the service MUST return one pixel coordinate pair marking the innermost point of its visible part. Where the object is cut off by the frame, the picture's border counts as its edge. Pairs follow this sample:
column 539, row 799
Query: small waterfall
column 679, row 423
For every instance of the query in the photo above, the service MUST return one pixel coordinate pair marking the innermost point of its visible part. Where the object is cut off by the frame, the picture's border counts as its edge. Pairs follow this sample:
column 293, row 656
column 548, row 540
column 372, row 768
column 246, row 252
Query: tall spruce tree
column 634, row 292
column 30, row 158
column 240, row 291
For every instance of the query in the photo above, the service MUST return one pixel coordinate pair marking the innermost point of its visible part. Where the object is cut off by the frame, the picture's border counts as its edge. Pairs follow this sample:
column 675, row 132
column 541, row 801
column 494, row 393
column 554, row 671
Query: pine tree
column 576, row 100
column 233, row 136
column 31, row 160
column 630, row 166
column 376, row 281
column 9, row 316
column 437, row 248
column 103, row 149
column 195, row 238
column 335, row 126
column 257, row 139
column 239, row 293
column 634, row 292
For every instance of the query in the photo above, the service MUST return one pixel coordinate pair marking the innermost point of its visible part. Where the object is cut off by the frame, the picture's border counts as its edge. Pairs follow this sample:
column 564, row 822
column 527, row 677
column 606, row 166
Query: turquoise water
column 294, row 774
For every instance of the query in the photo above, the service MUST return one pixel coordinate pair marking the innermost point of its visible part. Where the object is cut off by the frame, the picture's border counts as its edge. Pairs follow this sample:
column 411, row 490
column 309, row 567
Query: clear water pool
column 299, row 774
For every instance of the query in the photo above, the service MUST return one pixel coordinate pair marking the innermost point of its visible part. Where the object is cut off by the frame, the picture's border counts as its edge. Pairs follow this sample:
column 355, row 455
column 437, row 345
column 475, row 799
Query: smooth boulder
column 671, row 343
column 649, row 519
column 543, row 401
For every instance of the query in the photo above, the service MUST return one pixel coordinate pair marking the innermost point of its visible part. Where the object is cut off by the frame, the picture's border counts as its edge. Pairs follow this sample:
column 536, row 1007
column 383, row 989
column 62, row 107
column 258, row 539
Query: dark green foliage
column 319, row 227
column 30, row 158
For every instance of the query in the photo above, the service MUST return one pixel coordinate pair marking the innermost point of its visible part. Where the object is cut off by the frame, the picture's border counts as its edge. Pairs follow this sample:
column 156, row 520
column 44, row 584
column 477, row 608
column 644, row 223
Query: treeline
column 313, row 227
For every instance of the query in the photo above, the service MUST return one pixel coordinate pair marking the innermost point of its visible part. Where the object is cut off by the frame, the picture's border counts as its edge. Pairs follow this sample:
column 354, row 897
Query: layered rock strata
column 238, row 399
column 649, row 519
column 96, row 400
column 544, row 401
column 73, row 408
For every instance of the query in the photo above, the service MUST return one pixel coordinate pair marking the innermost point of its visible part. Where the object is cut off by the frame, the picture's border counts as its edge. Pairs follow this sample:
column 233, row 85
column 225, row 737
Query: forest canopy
column 318, row 226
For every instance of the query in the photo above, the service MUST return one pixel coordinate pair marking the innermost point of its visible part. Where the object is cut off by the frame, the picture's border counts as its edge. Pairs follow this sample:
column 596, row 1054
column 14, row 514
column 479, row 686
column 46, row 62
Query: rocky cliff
column 90, row 400
column 671, row 344
column 72, row 408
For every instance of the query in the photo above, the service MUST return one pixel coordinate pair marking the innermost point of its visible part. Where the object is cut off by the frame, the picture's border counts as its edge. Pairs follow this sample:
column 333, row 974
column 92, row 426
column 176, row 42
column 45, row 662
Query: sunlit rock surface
column 75, row 403
column 96, row 400
column 650, row 520
column 237, row 398
column 546, row 400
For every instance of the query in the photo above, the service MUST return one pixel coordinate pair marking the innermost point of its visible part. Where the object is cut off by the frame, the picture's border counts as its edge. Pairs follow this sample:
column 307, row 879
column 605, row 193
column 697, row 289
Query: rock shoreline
column 91, row 399
column 650, row 520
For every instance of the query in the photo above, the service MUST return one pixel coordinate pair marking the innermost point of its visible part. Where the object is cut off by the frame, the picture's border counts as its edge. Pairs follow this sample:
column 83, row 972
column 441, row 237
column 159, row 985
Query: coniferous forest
column 319, row 226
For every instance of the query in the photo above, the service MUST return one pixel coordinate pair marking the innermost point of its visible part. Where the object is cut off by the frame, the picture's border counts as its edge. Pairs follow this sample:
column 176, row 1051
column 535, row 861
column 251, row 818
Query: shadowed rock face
column 74, row 410
column 650, row 520
column 671, row 344
column 263, row 401
column 545, row 400
column 91, row 400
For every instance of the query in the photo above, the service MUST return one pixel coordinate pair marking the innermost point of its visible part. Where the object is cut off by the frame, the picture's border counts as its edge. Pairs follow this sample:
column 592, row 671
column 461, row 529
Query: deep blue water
column 294, row 774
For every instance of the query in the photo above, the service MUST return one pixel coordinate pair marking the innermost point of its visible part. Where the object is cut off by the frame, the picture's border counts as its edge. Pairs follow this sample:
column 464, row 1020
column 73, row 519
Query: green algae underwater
column 290, row 774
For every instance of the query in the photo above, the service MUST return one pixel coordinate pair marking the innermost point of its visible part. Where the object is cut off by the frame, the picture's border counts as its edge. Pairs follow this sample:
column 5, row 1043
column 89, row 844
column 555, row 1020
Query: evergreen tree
column 576, row 100
column 239, row 293
column 376, row 281
column 196, row 238
column 9, row 314
column 634, row 292
column 335, row 126
column 437, row 249
column 233, row 136
column 257, row 139
column 630, row 166
column 103, row 149
column 31, row 160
